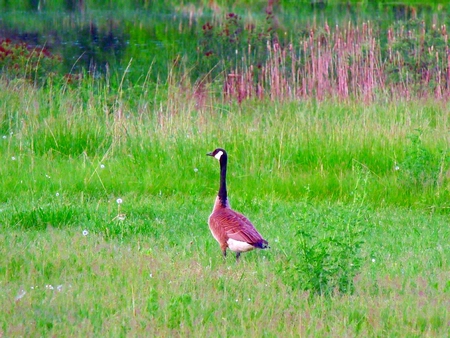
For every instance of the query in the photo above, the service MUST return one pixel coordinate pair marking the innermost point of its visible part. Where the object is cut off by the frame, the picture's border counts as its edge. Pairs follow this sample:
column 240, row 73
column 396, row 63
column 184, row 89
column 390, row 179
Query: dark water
column 141, row 41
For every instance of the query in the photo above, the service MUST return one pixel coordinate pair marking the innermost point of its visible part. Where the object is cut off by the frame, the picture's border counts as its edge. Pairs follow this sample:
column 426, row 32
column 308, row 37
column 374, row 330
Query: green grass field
column 353, row 199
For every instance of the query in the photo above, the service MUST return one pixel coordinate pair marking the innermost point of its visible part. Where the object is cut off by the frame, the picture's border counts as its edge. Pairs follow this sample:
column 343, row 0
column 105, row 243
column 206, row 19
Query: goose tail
column 262, row 244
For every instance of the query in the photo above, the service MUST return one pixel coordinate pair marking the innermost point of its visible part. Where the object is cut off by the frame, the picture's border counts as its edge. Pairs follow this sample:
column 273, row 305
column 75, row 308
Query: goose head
column 219, row 153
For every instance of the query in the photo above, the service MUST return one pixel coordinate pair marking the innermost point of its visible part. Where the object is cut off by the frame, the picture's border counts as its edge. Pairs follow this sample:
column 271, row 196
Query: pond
column 144, row 39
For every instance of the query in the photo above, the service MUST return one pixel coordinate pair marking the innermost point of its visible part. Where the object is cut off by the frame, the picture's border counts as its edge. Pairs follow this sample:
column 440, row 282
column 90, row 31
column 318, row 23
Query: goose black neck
column 223, row 181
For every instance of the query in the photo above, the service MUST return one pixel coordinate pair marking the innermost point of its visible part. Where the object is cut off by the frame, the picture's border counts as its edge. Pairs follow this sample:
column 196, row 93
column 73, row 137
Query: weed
column 420, row 167
column 326, row 256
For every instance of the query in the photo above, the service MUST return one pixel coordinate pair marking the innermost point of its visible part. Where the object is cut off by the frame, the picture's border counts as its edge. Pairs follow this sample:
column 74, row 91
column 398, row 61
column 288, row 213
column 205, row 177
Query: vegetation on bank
column 243, row 58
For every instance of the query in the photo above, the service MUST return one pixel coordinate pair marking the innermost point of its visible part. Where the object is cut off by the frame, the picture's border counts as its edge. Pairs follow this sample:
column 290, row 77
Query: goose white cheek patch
column 218, row 155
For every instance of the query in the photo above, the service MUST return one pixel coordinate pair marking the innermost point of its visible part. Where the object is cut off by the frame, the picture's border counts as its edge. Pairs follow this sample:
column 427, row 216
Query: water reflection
column 94, row 47
column 101, row 38
column 39, row 5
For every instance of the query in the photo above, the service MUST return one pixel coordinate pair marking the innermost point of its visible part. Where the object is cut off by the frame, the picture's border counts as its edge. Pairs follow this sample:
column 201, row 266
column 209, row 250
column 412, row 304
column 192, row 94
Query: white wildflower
column 20, row 294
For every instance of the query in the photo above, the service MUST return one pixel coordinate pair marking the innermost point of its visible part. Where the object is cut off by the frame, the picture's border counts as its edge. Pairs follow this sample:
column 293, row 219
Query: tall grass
column 313, row 149
column 347, row 62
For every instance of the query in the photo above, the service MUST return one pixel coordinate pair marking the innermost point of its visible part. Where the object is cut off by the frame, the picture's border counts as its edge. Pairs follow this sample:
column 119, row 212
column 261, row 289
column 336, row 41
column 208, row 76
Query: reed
column 347, row 62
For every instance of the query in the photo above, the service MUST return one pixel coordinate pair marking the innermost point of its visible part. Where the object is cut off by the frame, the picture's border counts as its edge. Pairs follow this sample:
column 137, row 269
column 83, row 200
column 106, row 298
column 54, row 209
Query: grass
column 302, row 149
column 169, row 279
column 149, row 266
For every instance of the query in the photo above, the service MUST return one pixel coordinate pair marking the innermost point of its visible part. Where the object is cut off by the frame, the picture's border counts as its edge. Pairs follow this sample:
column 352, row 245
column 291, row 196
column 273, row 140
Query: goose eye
column 219, row 154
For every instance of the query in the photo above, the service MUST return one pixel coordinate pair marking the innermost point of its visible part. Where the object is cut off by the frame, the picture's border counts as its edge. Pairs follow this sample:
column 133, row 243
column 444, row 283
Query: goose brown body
column 230, row 228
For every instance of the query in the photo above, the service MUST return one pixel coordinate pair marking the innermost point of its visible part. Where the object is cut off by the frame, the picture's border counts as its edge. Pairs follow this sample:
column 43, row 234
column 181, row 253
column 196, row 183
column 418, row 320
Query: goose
column 231, row 229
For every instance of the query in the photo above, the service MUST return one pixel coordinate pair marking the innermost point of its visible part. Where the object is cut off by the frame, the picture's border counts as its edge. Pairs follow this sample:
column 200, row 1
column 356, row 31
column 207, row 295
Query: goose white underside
column 239, row 246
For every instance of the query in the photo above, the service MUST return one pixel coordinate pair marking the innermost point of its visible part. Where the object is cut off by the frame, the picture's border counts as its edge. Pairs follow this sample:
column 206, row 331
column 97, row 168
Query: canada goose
column 231, row 229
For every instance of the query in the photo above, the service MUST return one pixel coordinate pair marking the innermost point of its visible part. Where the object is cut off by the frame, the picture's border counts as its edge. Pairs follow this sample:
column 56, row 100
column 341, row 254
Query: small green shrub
column 326, row 255
column 421, row 168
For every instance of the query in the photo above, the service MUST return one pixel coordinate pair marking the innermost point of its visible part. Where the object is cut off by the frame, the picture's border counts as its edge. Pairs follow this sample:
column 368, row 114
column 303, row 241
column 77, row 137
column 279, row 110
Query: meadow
column 338, row 153
column 104, row 207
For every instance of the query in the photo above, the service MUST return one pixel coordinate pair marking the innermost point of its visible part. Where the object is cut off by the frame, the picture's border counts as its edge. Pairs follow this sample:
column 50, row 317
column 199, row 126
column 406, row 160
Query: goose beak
column 209, row 154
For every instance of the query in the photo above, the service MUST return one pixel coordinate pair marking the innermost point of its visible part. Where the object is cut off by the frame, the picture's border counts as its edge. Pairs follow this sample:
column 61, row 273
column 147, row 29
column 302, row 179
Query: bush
column 417, row 57
column 421, row 168
column 326, row 253
column 19, row 60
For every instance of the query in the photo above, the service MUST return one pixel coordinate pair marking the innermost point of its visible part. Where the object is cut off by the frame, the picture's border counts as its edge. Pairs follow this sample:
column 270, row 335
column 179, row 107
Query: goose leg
column 238, row 255
column 223, row 247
